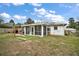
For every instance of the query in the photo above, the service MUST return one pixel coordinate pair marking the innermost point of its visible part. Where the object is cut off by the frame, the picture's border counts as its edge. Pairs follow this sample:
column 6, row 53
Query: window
column 55, row 27
column 48, row 29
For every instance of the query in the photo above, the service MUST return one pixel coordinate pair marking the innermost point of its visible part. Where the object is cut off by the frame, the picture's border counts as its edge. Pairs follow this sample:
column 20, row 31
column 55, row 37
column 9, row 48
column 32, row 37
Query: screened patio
column 39, row 30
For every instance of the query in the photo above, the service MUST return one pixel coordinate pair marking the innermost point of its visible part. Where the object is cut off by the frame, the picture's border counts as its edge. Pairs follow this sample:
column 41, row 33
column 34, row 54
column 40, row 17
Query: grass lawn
column 45, row 46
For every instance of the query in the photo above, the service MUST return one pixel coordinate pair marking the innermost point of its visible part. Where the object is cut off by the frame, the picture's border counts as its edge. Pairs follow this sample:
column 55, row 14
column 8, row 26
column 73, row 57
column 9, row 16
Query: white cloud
column 52, row 11
column 18, row 4
column 41, row 11
column 5, row 15
column 49, row 15
column 55, row 18
column 37, row 21
column 36, row 4
column 18, row 17
column 15, row 4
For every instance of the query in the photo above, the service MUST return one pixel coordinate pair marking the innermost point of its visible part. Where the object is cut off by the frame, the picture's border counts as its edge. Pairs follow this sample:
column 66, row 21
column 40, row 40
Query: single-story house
column 42, row 29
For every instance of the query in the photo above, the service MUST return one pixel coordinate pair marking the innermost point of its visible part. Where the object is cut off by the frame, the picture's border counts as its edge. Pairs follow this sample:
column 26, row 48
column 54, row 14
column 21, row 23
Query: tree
column 77, row 25
column 72, row 23
column 1, row 20
column 18, row 23
column 29, row 21
column 12, row 21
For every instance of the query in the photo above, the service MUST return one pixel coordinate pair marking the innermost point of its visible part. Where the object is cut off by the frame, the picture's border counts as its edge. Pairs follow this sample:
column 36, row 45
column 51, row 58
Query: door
column 48, row 31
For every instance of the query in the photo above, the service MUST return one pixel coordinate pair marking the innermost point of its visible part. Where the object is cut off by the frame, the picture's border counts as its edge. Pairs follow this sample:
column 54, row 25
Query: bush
column 77, row 33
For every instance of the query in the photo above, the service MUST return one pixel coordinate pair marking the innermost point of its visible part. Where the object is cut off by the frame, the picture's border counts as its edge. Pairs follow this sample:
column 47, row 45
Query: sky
column 39, row 12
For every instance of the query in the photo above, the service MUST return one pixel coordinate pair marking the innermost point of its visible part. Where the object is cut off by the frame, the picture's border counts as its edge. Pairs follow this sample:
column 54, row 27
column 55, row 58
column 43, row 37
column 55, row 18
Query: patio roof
column 47, row 24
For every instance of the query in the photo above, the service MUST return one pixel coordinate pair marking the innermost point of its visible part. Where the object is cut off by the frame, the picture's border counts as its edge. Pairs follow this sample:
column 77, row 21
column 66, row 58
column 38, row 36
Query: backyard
column 20, row 45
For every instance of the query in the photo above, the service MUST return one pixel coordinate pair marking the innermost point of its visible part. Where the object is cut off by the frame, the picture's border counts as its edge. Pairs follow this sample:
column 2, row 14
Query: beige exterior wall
column 59, row 31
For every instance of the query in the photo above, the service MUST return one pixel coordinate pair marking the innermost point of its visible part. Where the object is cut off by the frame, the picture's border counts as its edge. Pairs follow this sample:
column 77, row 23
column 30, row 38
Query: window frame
column 55, row 27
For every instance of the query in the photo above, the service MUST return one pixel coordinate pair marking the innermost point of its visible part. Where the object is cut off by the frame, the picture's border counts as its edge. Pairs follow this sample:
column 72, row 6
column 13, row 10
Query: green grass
column 33, row 45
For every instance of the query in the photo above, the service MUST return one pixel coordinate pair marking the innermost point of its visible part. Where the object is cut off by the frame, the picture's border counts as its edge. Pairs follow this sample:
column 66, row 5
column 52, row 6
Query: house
column 42, row 29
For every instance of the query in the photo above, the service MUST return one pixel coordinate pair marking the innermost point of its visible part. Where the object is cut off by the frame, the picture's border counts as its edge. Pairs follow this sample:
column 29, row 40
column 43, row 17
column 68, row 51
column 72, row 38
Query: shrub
column 77, row 33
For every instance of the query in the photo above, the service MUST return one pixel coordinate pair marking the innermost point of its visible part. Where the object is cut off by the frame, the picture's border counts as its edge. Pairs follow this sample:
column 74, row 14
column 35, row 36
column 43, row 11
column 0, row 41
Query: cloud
column 5, row 15
column 19, row 17
column 18, row 4
column 52, row 11
column 55, row 18
column 40, row 11
column 37, row 21
column 36, row 4
column 15, row 4
column 48, row 15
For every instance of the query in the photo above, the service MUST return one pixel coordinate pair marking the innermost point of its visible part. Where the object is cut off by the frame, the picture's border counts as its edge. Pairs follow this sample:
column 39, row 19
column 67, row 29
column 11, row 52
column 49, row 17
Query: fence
column 11, row 30
column 6, row 30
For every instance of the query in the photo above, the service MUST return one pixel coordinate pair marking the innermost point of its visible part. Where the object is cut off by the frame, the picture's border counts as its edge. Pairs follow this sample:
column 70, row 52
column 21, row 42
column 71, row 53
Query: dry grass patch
column 31, row 45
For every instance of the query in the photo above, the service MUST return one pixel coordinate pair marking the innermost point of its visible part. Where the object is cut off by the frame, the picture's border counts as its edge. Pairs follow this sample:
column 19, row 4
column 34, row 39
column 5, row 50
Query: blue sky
column 55, row 12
